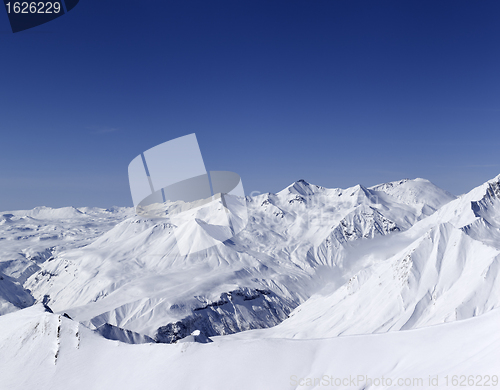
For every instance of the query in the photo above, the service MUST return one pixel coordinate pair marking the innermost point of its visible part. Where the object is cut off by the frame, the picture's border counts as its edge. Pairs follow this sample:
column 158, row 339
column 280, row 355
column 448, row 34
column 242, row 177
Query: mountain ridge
column 292, row 236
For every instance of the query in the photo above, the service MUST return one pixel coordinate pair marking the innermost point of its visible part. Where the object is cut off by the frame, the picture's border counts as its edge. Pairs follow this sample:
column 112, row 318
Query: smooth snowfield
column 41, row 350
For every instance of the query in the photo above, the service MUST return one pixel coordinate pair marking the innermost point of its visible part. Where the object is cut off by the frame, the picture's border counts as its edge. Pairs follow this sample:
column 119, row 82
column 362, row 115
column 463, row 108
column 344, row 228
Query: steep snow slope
column 12, row 296
column 134, row 278
column 41, row 350
column 442, row 272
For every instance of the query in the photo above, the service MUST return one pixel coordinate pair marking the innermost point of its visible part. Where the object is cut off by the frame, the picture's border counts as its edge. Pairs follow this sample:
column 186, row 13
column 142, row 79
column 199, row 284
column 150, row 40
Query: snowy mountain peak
column 416, row 191
column 302, row 188
column 361, row 190
column 391, row 184
column 496, row 179
column 494, row 187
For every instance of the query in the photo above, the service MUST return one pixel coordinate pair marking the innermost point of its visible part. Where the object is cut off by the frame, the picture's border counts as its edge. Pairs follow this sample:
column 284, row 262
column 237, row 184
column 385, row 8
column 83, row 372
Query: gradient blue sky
column 333, row 92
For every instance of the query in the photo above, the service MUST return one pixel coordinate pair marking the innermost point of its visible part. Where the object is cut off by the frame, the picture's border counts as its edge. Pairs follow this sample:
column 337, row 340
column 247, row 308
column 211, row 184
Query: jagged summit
column 302, row 188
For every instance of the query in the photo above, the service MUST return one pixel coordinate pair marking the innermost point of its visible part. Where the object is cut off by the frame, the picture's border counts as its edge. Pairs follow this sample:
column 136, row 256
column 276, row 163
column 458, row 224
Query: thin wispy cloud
column 479, row 109
column 102, row 130
column 483, row 166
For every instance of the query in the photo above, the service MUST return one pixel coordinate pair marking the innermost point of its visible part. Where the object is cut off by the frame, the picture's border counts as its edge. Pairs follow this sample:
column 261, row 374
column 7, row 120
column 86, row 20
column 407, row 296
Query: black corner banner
column 70, row 4
column 27, row 14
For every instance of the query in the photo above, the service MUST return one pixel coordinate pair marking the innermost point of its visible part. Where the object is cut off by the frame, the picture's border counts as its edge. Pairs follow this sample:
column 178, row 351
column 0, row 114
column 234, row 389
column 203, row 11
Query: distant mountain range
column 312, row 263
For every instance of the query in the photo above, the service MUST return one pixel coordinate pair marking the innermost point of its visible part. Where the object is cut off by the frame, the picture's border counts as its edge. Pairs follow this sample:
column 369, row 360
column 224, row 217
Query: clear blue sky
column 335, row 92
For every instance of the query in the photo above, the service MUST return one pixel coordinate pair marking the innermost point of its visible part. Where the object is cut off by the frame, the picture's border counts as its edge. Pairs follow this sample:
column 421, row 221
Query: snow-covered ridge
column 300, row 241
column 132, row 277
column 444, row 268
column 49, row 351
column 417, row 191
column 405, row 260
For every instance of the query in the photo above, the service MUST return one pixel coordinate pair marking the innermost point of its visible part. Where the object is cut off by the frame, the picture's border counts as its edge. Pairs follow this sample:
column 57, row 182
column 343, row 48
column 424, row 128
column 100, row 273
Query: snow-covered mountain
column 28, row 238
column 296, row 240
column 445, row 268
column 389, row 278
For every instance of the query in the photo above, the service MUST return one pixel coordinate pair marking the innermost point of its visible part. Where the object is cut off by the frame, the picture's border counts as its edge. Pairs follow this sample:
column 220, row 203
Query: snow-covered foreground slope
column 41, row 350
column 296, row 241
